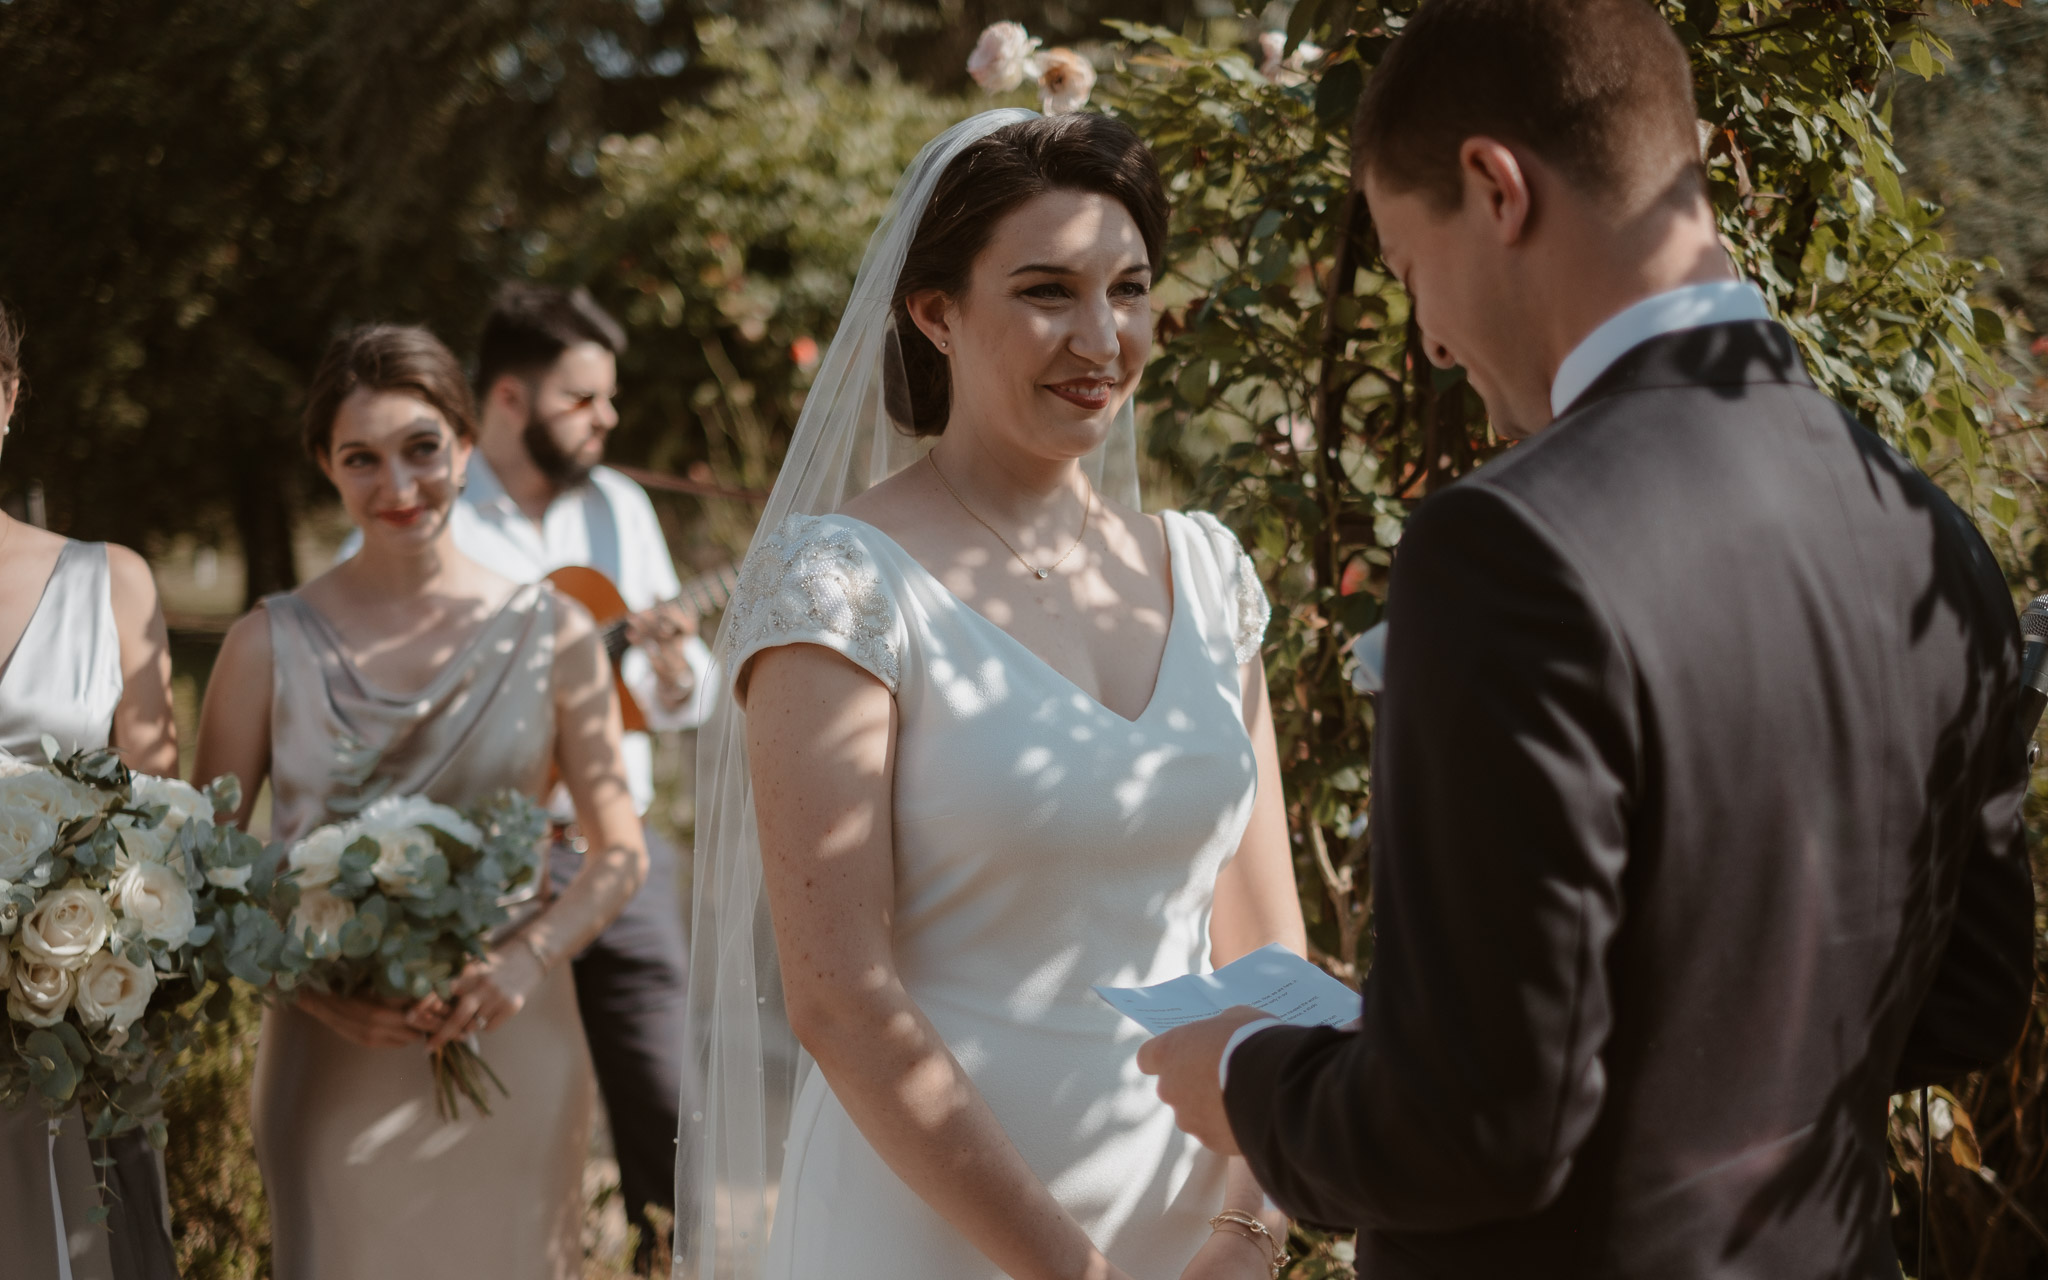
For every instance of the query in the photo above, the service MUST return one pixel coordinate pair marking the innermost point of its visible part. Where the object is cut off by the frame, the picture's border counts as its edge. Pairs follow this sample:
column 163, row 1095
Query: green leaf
column 1302, row 21
column 1338, row 91
column 1971, row 443
column 1913, row 374
column 1886, row 179
column 74, row 1043
column 1802, row 142
column 225, row 793
column 244, row 965
column 1920, row 60
column 50, row 1068
column 360, row 936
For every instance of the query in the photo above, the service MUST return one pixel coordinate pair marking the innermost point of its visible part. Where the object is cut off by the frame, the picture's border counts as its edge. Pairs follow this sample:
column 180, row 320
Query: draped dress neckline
column 1173, row 622
column 454, row 669
column 339, row 740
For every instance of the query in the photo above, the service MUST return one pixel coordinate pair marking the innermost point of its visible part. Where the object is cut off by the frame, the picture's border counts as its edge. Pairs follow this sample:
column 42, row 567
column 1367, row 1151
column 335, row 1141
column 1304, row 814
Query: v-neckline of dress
column 1173, row 621
column 449, row 670
column 35, row 614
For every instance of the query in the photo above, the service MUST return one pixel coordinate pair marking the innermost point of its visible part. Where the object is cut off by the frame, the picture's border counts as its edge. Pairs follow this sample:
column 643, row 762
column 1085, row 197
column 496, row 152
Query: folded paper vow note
column 1272, row 979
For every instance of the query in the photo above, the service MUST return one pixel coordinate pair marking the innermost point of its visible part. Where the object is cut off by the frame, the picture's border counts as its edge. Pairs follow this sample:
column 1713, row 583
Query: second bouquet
column 395, row 902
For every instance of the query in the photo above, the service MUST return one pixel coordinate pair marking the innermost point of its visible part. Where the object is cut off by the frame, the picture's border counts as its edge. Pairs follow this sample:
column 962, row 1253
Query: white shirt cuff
column 1238, row 1037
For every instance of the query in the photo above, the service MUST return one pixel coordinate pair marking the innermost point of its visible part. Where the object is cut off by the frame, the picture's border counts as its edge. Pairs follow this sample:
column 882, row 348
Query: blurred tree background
column 204, row 192
column 1974, row 138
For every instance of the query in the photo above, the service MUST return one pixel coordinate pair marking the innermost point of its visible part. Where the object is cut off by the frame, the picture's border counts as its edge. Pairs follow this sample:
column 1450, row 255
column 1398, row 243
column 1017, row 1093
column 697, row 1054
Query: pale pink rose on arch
column 1002, row 57
column 1065, row 82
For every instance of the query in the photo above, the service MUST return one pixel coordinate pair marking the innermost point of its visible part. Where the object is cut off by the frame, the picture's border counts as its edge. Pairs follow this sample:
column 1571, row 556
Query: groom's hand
column 1186, row 1060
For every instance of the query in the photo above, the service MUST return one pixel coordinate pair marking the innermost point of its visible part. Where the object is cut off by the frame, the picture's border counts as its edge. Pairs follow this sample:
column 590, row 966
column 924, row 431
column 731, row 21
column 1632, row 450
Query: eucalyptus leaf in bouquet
column 393, row 903
column 124, row 910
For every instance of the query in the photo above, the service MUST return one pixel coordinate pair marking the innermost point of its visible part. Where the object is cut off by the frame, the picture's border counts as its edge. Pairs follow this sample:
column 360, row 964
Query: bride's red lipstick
column 1088, row 393
column 402, row 517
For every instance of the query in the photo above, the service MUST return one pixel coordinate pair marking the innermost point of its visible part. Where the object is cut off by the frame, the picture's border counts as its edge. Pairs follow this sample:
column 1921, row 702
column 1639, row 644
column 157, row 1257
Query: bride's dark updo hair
column 985, row 184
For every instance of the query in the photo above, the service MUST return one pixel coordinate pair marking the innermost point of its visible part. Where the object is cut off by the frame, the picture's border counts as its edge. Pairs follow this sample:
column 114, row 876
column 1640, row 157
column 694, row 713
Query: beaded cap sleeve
column 1241, row 578
column 812, row 581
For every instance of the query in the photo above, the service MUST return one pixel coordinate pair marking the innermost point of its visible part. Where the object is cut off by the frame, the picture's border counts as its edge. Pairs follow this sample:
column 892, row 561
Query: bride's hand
column 1226, row 1255
column 489, row 991
column 372, row 1024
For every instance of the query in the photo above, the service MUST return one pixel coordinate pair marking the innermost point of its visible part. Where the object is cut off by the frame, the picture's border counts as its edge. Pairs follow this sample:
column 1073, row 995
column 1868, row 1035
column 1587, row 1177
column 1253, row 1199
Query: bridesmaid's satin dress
column 365, row 1180
column 64, row 681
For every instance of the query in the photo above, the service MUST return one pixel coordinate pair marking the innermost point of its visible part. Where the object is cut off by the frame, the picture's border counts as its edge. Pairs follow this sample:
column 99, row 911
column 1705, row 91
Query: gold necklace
column 1044, row 573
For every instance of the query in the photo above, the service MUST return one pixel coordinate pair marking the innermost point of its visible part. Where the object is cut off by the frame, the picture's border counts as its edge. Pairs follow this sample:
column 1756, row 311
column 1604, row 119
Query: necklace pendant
column 1042, row 573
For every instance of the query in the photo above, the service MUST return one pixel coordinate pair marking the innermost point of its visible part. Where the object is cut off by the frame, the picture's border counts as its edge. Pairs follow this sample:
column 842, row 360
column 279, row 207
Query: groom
column 1696, row 802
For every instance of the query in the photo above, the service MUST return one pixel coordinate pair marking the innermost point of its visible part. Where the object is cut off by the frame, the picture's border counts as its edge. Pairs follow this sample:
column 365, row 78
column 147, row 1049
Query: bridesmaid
column 412, row 669
column 88, row 664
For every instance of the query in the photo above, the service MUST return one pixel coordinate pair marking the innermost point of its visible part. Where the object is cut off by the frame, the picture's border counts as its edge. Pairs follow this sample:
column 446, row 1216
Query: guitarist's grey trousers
column 633, row 989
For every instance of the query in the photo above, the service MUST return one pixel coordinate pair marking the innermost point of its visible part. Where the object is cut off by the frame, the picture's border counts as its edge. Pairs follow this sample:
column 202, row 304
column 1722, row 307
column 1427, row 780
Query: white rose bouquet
column 393, row 903
column 123, row 911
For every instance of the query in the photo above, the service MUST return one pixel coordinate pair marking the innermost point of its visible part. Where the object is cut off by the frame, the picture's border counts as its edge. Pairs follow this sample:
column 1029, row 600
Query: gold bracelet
column 1256, row 1232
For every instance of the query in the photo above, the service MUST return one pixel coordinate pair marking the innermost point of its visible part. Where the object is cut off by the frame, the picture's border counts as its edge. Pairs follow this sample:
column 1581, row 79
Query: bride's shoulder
column 818, row 580
column 1225, row 570
column 805, row 546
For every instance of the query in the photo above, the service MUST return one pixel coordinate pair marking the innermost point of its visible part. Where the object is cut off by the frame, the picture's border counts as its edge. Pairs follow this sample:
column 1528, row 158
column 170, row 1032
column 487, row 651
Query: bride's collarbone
column 1108, row 638
column 1101, row 620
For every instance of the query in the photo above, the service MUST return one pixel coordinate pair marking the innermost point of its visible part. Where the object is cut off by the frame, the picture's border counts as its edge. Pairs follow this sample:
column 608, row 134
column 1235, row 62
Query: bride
column 998, row 736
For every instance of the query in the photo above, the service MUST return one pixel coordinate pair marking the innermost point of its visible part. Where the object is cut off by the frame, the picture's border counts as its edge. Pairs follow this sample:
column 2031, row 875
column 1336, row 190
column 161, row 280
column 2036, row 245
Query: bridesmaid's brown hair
column 387, row 357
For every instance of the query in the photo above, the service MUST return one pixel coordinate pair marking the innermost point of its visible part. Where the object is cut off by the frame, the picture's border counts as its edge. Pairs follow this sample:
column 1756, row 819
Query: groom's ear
column 1497, row 186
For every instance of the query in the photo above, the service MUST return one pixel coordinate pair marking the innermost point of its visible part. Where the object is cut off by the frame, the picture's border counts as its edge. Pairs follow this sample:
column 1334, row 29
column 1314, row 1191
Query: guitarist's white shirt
column 608, row 524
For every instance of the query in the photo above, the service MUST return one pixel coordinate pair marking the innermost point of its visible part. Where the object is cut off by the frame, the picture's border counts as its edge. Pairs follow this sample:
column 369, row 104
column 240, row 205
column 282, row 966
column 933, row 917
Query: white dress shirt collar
column 1691, row 306
column 482, row 488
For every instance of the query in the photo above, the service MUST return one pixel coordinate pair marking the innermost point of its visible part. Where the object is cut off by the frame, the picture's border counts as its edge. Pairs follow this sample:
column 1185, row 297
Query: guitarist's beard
column 562, row 471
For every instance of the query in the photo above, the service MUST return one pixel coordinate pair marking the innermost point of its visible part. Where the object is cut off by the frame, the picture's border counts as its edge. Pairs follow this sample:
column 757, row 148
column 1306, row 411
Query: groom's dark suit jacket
column 1695, row 835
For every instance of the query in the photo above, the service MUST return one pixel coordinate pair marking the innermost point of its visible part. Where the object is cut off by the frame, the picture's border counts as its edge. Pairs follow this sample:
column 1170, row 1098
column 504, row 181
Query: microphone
column 2033, row 674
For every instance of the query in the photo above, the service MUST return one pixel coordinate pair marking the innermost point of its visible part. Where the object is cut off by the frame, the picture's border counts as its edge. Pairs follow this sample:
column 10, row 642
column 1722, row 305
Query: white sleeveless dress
column 64, row 681
column 1043, row 844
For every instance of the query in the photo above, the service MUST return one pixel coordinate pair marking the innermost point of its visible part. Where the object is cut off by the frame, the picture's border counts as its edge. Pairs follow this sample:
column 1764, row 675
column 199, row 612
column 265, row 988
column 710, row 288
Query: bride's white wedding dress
column 1043, row 843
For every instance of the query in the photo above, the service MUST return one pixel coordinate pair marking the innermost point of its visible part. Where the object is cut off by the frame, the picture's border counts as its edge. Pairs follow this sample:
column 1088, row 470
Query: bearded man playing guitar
column 538, row 504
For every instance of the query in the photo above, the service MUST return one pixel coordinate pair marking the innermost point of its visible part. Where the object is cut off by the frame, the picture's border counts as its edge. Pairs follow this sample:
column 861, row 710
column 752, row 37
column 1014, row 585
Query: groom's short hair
column 1599, row 89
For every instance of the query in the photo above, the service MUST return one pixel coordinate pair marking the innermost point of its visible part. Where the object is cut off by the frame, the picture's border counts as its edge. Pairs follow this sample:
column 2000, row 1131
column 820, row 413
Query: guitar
column 599, row 594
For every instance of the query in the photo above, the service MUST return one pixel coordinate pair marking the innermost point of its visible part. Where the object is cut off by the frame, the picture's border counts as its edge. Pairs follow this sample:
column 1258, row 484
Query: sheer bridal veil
column 729, row 1150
